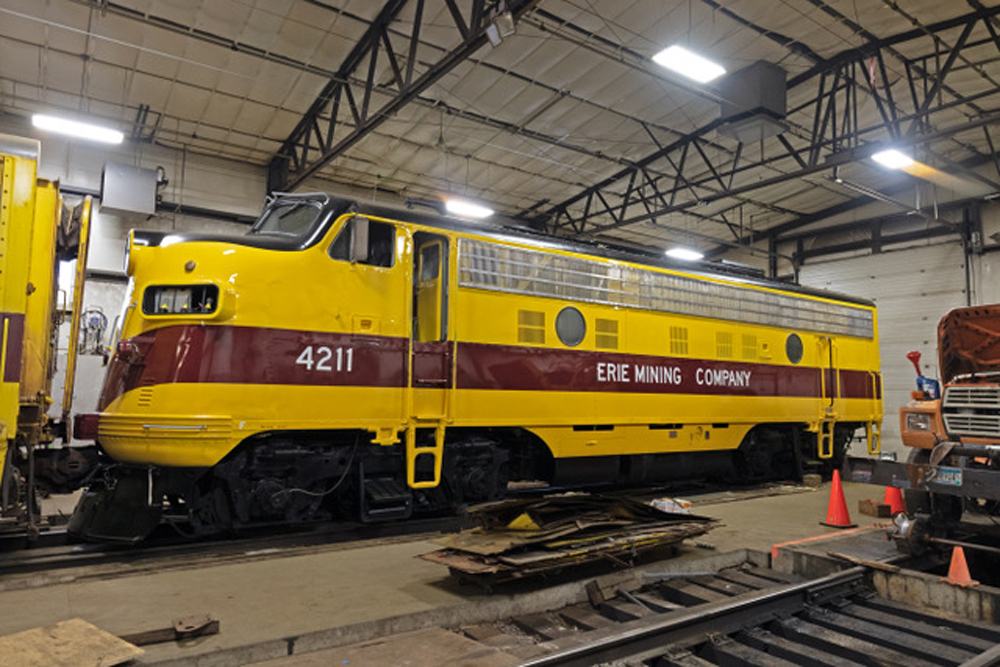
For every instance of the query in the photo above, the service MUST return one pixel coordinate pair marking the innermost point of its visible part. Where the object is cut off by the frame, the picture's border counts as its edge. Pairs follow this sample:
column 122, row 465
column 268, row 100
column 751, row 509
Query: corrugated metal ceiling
column 560, row 106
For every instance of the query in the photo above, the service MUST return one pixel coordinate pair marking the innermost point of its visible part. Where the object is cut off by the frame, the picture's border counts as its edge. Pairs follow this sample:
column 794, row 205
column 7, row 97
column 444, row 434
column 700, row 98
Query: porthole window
column 793, row 348
column 570, row 326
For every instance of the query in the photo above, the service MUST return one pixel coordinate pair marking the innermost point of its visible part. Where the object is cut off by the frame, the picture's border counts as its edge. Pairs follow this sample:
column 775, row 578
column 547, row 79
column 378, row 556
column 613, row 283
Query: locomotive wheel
column 14, row 492
column 222, row 513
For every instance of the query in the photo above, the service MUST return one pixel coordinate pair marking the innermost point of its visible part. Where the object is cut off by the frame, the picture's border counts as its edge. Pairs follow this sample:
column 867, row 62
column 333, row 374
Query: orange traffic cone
column 958, row 571
column 894, row 499
column 836, row 513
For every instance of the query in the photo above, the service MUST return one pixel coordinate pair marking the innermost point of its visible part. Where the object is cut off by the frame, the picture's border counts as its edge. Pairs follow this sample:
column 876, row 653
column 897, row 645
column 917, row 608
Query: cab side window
column 365, row 242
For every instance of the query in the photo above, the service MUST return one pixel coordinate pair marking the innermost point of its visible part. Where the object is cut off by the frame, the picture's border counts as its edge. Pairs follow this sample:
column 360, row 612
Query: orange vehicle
column 954, row 434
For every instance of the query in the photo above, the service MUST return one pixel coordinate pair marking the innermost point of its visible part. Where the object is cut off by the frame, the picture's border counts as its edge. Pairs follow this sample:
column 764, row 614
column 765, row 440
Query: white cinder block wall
column 913, row 286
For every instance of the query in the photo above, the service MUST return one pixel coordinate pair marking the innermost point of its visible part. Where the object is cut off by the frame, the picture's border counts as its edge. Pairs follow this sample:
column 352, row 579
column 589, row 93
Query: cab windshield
column 291, row 218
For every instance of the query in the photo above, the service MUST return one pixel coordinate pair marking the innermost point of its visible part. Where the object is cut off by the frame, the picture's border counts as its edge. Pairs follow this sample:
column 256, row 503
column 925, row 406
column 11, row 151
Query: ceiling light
column 893, row 159
column 467, row 209
column 685, row 254
column 77, row 129
column 691, row 65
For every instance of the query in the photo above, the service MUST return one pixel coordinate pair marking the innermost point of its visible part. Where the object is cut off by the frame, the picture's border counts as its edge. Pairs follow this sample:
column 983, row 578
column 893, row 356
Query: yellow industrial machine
column 343, row 358
column 31, row 211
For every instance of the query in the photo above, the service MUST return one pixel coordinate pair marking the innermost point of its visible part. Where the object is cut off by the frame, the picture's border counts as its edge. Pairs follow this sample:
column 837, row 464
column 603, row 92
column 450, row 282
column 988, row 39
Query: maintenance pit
column 304, row 606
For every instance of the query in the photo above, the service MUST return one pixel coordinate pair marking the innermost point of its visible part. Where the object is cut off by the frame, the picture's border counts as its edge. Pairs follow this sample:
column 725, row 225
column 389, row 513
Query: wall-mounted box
column 128, row 190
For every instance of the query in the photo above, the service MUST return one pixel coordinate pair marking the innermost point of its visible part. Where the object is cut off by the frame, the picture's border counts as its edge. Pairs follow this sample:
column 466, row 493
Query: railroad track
column 80, row 560
column 54, row 550
column 743, row 616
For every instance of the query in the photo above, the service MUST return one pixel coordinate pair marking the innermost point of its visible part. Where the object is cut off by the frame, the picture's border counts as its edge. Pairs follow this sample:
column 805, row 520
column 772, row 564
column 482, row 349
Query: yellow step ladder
column 414, row 451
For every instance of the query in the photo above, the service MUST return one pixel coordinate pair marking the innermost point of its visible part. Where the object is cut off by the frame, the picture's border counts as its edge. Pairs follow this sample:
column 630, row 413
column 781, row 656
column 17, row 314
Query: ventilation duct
column 754, row 98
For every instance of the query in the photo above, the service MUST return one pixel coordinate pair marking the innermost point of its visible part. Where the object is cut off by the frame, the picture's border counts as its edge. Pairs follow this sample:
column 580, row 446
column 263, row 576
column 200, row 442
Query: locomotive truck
column 348, row 359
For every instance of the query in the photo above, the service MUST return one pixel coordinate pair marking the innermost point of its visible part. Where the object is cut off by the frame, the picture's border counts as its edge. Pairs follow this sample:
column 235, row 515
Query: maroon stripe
column 858, row 384
column 255, row 355
column 482, row 366
column 13, row 346
column 828, row 387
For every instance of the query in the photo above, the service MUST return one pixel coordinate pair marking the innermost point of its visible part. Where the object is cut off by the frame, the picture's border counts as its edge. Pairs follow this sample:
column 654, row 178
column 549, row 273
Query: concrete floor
column 286, row 597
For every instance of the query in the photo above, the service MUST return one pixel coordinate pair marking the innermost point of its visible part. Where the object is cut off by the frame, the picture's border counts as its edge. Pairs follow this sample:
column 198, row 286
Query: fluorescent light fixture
column 77, row 129
column 467, row 209
column 684, row 62
column 685, row 254
column 893, row 159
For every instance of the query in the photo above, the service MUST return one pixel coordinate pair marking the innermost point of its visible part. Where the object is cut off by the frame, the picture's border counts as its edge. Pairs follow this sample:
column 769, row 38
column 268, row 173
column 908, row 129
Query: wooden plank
column 543, row 625
column 656, row 603
column 66, row 644
column 844, row 645
column 481, row 632
column 623, row 611
column 728, row 652
column 986, row 631
column 900, row 640
column 744, row 579
column 689, row 593
column 492, row 636
column 937, row 630
column 675, row 656
column 583, row 617
column 800, row 654
column 722, row 586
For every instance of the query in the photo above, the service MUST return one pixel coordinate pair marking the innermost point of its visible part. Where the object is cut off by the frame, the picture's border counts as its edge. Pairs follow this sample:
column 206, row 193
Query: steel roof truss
column 311, row 145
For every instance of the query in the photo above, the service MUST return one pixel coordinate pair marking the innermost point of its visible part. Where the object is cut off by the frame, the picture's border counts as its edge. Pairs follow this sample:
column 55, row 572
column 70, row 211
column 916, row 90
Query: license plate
column 950, row 476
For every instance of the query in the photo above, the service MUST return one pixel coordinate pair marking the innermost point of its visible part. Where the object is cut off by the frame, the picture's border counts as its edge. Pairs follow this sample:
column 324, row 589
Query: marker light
column 685, row 254
column 76, row 129
column 893, row 159
column 684, row 62
column 467, row 209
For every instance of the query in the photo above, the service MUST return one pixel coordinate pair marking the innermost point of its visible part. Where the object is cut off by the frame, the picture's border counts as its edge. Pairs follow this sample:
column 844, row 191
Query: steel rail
column 216, row 548
column 694, row 625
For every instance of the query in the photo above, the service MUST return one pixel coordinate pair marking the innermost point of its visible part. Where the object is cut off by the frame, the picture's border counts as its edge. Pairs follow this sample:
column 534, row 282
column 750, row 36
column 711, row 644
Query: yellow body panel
column 177, row 435
column 37, row 360
column 305, row 291
column 30, row 211
column 17, row 210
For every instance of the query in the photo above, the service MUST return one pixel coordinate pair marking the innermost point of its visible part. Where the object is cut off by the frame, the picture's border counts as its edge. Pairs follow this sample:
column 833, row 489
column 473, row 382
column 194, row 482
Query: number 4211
column 324, row 359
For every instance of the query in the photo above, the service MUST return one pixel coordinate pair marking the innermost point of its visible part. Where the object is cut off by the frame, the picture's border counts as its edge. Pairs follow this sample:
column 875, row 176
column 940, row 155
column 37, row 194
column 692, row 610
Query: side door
column 432, row 351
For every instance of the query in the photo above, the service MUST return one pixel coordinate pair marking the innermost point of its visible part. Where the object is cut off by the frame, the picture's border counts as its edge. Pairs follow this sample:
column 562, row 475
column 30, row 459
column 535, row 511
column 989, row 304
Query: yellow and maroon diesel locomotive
column 345, row 359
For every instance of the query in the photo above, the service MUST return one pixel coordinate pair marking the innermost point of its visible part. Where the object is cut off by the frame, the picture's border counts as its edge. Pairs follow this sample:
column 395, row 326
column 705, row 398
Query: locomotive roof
column 730, row 272
column 335, row 206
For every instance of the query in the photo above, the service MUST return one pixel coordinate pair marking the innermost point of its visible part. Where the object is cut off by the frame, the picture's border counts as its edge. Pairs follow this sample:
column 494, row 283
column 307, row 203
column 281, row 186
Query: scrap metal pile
column 525, row 537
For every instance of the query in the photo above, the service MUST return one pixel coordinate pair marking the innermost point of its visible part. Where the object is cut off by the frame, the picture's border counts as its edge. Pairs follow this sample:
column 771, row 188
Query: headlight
column 918, row 421
column 180, row 300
